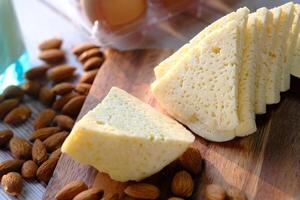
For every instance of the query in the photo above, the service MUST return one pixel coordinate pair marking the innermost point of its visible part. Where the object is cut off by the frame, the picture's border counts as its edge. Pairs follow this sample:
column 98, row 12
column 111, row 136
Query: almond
column 39, row 152
column 45, row 171
column 214, row 192
column 43, row 133
column 52, row 55
column 142, row 191
column 90, row 194
column 79, row 49
column 32, row 88
column 46, row 96
column 20, row 148
column 62, row 88
column 29, row 169
column 13, row 92
column 5, row 136
column 53, row 43
column 88, row 77
column 191, row 160
column 12, row 183
column 44, row 119
column 55, row 154
column 235, row 194
column 69, row 191
column 8, row 105
column 83, row 88
column 61, row 73
column 111, row 196
column 18, row 115
column 73, row 107
column 93, row 63
column 10, row 166
column 182, row 184
column 55, row 141
column 175, row 198
column 95, row 52
column 37, row 72
column 64, row 122
column 59, row 103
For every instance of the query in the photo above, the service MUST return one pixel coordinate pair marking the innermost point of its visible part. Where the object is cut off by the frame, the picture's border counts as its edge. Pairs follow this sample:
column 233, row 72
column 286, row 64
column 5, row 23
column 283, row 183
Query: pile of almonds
column 51, row 84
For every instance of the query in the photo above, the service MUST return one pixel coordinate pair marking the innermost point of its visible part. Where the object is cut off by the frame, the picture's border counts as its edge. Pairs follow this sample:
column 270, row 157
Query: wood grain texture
column 266, row 165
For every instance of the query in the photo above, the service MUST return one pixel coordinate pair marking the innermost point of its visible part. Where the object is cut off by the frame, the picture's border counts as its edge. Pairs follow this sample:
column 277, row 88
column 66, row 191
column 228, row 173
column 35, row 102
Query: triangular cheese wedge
column 275, row 53
column 126, row 138
column 171, row 61
column 293, row 43
column 264, row 41
column 203, row 86
column 286, row 22
column 295, row 69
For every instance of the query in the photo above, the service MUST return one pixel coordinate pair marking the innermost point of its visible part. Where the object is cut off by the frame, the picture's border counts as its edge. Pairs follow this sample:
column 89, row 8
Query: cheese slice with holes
column 293, row 62
column 171, row 61
column 286, row 22
column 202, row 88
column 126, row 138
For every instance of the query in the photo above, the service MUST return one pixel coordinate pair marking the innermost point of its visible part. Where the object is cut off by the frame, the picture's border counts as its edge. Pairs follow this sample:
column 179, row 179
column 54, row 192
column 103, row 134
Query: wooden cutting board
column 265, row 165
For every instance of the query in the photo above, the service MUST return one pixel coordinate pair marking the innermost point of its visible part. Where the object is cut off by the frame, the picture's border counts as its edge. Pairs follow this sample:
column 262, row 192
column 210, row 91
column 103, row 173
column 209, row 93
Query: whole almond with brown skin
column 93, row 63
column 29, row 169
column 95, row 52
column 10, row 166
column 182, row 184
column 18, row 116
column 32, row 88
column 142, row 191
column 69, row 191
column 235, row 194
column 46, row 96
column 175, row 198
column 13, row 92
column 59, row 103
column 12, row 183
column 37, row 72
column 45, row 171
column 63, row 88
column 55, row 141
column 73, row 107
column 90, row 194
column 39, row 152
column 83, row 88
column 215, row 192
column 61, row 73
column 88, row 77
column 43, row 133
column 64, row 122
column 20, row 148
column 55, row 154
column 44, row 119
column 8, row 105
column 111, row 196
column 53, row 43
column 191, row 160
column 52, row 55
column 5, row 136
column 79, row 49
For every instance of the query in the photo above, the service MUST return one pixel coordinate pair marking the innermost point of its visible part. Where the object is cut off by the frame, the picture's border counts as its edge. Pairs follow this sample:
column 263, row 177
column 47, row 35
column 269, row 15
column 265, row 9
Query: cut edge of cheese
column 172, row 60
column 190, row 91
column 129, row 145
column 293, row 61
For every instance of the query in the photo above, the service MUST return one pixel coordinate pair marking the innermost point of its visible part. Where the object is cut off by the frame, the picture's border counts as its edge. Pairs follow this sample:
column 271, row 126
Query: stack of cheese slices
column 230, row 71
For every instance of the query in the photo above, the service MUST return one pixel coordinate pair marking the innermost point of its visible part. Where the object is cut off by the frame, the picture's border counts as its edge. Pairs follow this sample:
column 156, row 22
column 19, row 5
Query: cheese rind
column 126, row 138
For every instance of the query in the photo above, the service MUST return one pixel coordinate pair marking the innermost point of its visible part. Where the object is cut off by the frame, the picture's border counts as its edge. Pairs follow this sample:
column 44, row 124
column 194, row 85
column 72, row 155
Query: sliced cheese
column 203, row 87
column 286, row 22
column 295, row 70
column 293, row 63
column 275, row 53
column 171, row 61
column 126, row 138
column 264, row 37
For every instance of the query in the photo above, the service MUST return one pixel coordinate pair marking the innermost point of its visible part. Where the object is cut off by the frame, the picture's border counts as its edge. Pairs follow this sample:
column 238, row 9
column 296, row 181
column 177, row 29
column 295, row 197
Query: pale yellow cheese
column 293, row 63
column 126, row 138
column 295, row 70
